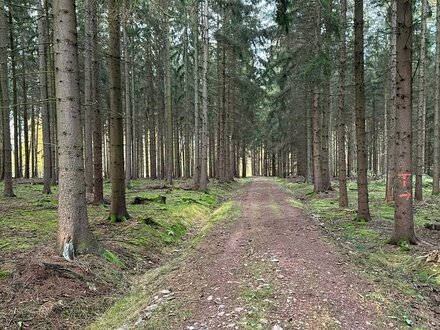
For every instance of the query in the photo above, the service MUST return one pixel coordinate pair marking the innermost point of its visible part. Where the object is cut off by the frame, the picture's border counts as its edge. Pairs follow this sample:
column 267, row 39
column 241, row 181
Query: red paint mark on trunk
column 405, row 177
column 407, row 195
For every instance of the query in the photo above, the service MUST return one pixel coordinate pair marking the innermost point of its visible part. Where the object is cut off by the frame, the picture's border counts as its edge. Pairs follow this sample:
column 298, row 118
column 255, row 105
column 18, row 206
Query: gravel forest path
column 271, row 268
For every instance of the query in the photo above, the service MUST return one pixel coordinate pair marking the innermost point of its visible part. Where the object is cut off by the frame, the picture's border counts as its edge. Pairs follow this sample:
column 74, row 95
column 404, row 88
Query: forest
column 220, row 164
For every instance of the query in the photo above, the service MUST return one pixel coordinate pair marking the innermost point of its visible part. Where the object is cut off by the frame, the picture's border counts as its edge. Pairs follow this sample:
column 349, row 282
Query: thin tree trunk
column 391, row 137
column 17, row 164
column 187, row 146
column 8, row 189
column 47, row 148
column 118, row 210
column 204, row 149
column 363, row 212
column 27, row 155
column 342, row 166
column 88, row 92
column 421, row 111
column 325, row 162
column 436, row 165
column 98, row 182
column 34, row 139
column 168, row 106
column 128, row 114
column 317, row 172
column 197, row 161
column 152, row 116
column 374, row 137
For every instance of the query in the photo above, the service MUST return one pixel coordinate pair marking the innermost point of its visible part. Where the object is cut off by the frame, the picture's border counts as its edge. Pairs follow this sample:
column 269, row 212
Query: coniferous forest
column 220, row 164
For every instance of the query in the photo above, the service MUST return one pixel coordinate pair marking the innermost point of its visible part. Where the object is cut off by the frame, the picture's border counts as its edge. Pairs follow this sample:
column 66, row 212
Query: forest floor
column 259, row 253
column 278, row 266
column 39, row 290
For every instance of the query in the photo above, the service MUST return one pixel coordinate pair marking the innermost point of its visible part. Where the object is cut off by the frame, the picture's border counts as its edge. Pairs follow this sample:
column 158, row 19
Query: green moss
column 429, row 275
column 296, row 203
column 114, row 218
column 4, row 274
column 113, row 258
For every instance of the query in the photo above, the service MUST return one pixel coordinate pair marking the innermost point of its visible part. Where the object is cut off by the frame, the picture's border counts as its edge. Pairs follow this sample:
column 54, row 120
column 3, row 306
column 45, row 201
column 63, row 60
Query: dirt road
column 272, row 268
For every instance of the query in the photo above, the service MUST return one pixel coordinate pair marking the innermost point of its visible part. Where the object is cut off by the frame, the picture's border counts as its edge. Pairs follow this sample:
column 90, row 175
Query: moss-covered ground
column 407, row 283
column 154, row 234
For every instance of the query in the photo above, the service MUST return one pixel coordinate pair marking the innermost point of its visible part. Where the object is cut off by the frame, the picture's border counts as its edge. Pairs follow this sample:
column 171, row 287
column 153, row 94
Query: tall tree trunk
column 17, row 146
column 27, row 155
column 89, row 71
column 391, row 137
column 74, row 234
column 204, row 142
column 403, row 212
column 243, row 160
column 128, row 114
column 421, row 111
column 342, row 166
column 317, row 171
column 51, row 100
column 374, row 137
column 168, row 105
column 151, row 116
column 118, row 211
column 363, row 212
column 34, row 139
column 325, row 161
column 188, row 117
column 98, row 182
column 47, row 147
column 221, row 151
column 8, row 189
column 436, row 165
column 197, row 161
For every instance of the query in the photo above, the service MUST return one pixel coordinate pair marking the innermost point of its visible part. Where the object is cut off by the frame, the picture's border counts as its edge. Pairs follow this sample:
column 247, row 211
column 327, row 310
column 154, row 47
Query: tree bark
column 98, row 184
column 90, row 16
column 326, row 122
column 128, row 114
column 47, row 147
column 168, row 105
column 391, row 144
column 317, row 149
column 74, row 235
column 363, row 212
column 204, row 149
column 197, row 161
column 403, row 212
column 8, row 189
column 436, row 165
column 421, row 110
column 342, row 165
column 15, row 107
column 118, row 211
column 27, row 155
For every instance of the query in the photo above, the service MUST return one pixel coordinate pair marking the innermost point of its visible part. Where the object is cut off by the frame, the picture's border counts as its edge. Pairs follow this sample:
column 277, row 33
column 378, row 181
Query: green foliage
column 113, row 258
column 404, row 245
column 4, row 274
